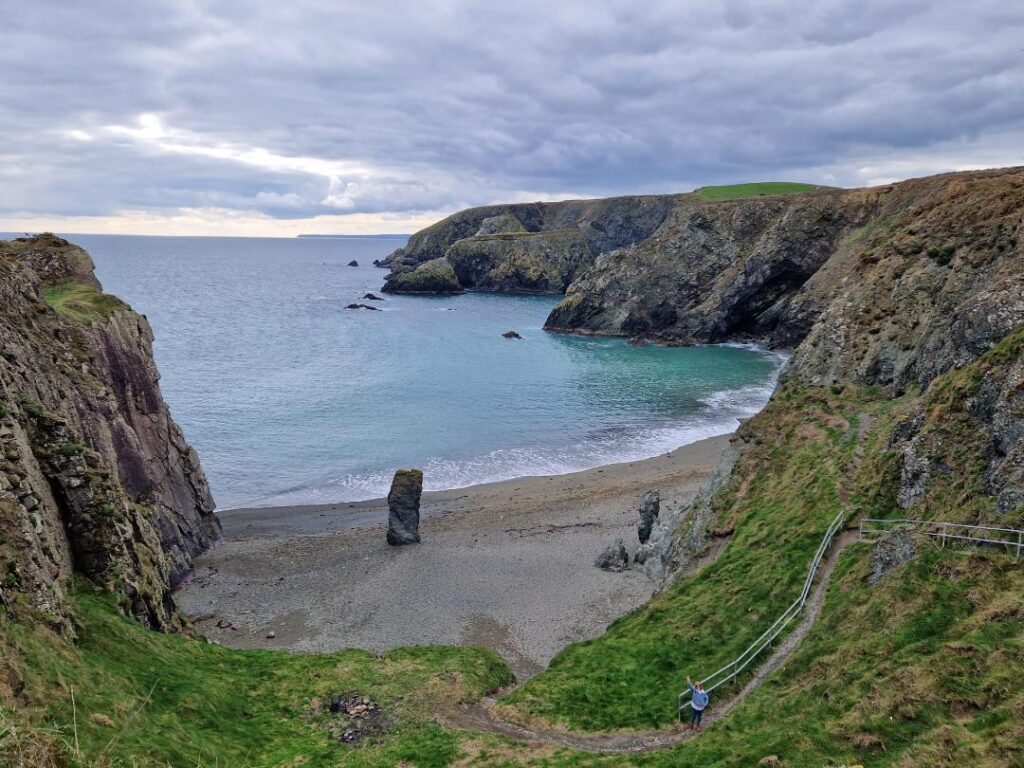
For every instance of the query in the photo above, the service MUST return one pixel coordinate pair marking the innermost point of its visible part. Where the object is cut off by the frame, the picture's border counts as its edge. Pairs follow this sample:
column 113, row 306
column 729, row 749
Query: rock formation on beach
column 404, row 507
column 614, row 557
column 650, row 506
column 96, row 478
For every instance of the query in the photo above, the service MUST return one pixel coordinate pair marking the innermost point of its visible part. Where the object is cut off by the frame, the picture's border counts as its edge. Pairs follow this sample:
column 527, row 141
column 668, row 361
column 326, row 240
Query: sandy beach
column 506, row 565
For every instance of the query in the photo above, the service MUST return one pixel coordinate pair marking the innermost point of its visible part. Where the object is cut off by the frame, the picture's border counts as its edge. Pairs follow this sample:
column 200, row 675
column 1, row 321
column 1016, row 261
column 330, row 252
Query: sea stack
column 650, row 507
column 404, row 507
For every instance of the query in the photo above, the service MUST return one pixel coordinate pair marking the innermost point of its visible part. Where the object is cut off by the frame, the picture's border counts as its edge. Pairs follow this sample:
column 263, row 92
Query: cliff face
column 682, row 269
column 95, row 476
column 919, row 334
column 910, row 293
column 526, row 248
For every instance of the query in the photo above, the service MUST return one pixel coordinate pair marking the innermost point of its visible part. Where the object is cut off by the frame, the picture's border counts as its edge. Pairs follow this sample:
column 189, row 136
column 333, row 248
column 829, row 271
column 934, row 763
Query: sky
column 250, row 117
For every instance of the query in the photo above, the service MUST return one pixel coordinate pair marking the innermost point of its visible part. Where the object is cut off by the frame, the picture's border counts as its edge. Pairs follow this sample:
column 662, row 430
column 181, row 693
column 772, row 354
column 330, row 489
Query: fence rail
column 737, row 665
column 1010, row 538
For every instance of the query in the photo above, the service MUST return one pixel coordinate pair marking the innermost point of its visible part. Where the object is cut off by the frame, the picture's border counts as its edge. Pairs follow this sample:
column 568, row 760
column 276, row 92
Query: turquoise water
column 290, row 398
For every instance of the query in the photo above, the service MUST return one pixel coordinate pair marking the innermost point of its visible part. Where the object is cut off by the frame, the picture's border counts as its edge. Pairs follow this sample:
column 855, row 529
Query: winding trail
column 480, row 716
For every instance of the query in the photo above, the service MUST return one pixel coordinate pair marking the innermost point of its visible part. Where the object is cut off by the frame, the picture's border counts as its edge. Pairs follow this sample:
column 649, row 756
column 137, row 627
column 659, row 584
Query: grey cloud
column 458, row 103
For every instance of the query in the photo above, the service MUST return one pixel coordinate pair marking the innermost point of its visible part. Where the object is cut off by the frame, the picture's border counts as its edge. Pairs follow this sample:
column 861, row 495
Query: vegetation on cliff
column 754, row 189
column 126, row 696
column 82, row 302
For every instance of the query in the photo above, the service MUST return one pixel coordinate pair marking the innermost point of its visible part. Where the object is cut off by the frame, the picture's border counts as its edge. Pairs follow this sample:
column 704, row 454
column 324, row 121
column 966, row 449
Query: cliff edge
column 96, row 478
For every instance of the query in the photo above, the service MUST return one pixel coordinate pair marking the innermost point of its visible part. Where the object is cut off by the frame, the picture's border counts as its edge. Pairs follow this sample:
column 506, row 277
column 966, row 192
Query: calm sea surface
column 291, row 398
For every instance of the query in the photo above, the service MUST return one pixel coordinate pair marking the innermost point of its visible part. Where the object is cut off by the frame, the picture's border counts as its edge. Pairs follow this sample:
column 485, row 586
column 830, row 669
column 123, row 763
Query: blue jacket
column 699, row 700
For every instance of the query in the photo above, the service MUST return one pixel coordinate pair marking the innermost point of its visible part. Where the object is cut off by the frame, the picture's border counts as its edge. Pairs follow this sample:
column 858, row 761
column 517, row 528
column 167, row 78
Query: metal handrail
column 942, row 530
column 737, row 665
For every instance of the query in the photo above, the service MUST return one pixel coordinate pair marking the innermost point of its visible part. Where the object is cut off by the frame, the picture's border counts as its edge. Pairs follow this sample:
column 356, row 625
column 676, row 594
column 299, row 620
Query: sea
column 290, row 398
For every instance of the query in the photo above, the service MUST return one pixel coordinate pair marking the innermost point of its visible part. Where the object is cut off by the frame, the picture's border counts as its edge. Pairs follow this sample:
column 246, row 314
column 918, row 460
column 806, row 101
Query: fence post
column 943, row 539
column 1020, row 541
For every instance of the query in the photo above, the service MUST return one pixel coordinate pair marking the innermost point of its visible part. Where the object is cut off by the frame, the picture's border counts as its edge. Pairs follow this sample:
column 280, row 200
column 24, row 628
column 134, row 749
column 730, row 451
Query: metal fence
column 737, row 665
column 947, row 533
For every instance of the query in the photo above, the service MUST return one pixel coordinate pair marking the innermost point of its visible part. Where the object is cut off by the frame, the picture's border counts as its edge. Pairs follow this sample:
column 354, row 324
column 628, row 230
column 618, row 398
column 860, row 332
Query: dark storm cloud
column 303, row 108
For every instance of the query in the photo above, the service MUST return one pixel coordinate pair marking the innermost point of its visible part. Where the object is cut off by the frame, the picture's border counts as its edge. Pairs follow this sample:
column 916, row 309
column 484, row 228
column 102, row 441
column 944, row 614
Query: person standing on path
column 698, row 703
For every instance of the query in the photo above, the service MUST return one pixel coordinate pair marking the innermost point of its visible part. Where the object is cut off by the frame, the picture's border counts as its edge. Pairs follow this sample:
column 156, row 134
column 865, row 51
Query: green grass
column 82, row 303
column 922, row 669
column 148, row 699
column 788, row 493
column 755, row 189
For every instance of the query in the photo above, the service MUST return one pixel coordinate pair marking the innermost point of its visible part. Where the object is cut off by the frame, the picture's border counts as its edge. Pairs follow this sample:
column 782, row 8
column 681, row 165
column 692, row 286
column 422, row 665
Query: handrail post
column 1020, row 541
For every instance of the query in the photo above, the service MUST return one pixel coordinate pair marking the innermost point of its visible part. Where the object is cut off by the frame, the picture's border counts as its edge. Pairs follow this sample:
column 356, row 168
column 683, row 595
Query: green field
column 755, row 189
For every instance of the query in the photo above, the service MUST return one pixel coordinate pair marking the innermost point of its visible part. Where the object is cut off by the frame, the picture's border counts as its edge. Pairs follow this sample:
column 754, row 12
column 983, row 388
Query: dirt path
column 480, row 717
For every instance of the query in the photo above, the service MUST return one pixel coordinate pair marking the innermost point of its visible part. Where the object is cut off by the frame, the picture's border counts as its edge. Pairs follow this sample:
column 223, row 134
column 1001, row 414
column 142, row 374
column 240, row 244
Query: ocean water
column 291, row 398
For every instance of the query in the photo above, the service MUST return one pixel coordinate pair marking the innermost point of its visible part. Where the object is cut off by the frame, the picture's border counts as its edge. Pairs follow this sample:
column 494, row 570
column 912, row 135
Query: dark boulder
column 649, row 509
column 372, row 297
column 353, row 263
column 404, row 507
column 511, row 335
column 362, row 306
column 614, row 557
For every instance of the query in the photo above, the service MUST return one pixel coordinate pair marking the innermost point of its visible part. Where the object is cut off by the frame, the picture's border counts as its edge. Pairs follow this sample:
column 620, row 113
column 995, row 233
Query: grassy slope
column 148, row 699
column 82, row 303
column 754, row 189
column 629, row 677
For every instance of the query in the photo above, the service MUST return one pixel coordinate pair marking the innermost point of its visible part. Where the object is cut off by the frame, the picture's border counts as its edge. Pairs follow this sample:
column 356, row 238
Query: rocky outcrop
column 504, row 224
column 404, row 507
column 95, row 476
column 605, row 224
column 614, row 557
column 529, row 247
column 892, row 550
column 650, row 506
column 432, row 277
column 528, row 262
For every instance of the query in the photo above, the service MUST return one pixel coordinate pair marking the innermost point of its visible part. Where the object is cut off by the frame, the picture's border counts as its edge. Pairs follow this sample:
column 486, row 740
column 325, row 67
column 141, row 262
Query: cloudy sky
column 275, row 118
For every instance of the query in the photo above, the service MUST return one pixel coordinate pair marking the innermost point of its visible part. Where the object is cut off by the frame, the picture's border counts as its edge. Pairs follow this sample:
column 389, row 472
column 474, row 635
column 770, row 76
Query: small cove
column 292, row 399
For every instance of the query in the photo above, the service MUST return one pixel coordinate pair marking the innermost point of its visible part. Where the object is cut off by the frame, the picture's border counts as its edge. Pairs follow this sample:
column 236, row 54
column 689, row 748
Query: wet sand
column 506, row 565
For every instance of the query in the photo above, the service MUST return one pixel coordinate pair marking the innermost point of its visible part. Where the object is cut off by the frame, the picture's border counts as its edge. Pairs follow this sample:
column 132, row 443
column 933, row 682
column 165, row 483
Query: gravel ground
column 506, row 565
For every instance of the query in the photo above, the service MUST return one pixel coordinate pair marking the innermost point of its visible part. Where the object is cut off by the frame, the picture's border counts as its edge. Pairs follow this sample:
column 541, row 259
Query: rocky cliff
column 685, row 269
column 96, row 478
column 526, row 248
column 917, row 322
column 892, row 289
